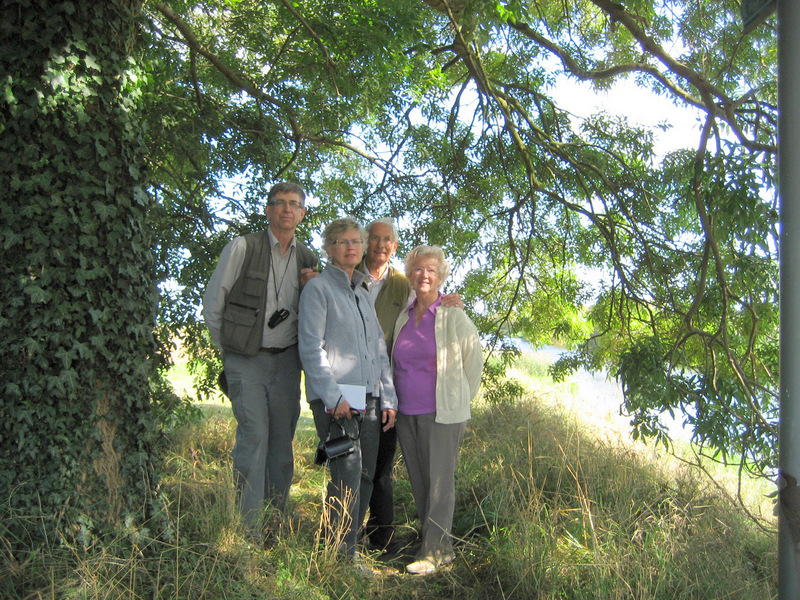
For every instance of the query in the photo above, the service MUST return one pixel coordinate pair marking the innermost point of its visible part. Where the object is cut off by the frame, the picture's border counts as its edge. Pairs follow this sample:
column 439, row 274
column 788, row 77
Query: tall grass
column 546, row 509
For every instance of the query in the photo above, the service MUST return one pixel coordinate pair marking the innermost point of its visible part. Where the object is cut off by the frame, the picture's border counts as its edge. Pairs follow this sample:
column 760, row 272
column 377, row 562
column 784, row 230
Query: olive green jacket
column 392, row 298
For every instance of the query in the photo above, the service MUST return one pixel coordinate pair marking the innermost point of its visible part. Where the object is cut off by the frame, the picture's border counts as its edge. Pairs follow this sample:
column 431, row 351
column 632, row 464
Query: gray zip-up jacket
column 340, row 339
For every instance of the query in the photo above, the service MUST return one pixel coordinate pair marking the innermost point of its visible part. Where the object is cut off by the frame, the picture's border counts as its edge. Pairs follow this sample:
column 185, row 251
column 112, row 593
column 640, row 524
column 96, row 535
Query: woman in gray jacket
column 341, row 344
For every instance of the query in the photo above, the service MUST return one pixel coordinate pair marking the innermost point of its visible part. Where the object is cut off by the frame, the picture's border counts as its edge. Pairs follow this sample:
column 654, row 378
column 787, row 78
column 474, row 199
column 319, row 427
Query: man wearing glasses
column 390, row 292
column 250, row 308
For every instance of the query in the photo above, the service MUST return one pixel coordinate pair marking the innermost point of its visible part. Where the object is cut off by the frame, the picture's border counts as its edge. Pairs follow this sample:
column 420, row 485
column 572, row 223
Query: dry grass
column 547, row 508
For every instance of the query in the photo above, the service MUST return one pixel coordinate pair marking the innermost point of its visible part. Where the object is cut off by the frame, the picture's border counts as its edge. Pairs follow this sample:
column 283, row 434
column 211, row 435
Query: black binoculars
column 279, row 316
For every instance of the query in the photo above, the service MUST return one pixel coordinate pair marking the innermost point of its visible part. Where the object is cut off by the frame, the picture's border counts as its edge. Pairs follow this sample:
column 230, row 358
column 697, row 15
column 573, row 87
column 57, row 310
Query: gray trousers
column 430, row 451
column 350, row 487
column 265, row 393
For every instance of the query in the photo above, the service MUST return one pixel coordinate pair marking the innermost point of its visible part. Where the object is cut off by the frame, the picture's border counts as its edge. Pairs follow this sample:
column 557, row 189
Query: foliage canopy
column 443, row 114
column 446, row 117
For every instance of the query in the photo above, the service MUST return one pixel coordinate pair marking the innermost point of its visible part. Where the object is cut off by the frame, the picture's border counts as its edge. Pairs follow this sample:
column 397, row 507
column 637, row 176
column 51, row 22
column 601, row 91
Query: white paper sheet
column 356, row 395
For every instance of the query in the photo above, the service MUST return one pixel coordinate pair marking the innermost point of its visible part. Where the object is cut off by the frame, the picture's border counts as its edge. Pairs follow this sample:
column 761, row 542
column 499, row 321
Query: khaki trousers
column 430, row 451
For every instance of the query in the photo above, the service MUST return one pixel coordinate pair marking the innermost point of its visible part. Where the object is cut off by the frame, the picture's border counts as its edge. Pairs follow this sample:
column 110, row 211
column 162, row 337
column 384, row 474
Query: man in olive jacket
column 250, row 308
column 390, row 292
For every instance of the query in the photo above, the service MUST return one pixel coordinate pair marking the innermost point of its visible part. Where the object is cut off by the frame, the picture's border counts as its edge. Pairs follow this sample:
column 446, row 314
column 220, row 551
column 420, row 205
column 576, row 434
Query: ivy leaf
column 65, row 356
column 100, row 148
column 57, row 81
column 69, row 379
column 37, row 294
column 91, row 63
column 105, row 211
column 11, row 238
column 8, row 93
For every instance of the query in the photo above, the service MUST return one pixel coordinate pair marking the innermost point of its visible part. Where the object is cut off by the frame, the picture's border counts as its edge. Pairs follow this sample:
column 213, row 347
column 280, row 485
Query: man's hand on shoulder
column 307, row 275
column 452, row 300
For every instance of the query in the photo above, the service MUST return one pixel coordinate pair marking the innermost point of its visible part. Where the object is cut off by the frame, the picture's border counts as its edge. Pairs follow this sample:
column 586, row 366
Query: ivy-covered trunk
column 76, row 288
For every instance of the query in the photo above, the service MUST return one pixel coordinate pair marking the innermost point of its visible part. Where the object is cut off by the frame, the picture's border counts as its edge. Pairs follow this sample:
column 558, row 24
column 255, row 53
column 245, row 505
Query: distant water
column 599, row 394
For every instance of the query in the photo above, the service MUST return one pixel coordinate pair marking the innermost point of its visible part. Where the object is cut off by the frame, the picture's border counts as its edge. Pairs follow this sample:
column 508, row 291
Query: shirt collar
column 369, row 276
column 432, row 308
column 273, row 240
column 382, row 278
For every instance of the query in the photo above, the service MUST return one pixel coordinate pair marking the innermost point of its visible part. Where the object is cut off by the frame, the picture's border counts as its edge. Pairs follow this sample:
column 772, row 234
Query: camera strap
column 275, row 278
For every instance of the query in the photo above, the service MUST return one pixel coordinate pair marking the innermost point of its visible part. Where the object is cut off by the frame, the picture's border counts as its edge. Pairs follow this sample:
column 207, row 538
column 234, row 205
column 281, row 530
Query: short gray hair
column 336, row 228
column 286, row 187
column 425, row 251
column 384, row 221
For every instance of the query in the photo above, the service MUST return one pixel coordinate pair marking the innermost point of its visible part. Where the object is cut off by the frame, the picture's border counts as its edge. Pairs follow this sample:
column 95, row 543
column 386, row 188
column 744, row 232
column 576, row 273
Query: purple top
column 414, row 358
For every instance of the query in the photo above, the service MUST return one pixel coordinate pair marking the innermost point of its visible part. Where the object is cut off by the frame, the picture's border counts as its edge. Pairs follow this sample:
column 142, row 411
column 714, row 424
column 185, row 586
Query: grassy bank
column 547, row 508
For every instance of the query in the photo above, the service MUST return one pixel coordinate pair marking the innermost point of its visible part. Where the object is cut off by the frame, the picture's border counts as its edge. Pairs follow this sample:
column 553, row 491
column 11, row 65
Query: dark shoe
column 393, row 546
column 396, row 546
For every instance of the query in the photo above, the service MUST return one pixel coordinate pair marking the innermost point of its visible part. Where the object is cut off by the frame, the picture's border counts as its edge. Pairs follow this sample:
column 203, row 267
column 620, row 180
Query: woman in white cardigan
column 437, row 361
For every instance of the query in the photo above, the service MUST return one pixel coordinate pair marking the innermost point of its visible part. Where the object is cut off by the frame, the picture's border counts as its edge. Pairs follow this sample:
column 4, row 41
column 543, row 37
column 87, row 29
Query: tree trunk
column 76, row 285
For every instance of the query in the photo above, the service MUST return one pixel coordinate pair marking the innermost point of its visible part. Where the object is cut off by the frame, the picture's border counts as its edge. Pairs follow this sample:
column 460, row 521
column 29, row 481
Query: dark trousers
column 350, row 484
column 380, row 525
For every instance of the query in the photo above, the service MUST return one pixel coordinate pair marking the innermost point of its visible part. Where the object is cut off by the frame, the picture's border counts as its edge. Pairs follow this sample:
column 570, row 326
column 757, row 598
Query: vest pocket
column 253, row 284
column 242, row 311
column 237, row 326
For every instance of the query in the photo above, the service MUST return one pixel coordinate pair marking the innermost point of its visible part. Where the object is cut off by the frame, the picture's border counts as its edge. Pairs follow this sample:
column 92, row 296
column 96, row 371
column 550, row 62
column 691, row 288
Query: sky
column 640, row 105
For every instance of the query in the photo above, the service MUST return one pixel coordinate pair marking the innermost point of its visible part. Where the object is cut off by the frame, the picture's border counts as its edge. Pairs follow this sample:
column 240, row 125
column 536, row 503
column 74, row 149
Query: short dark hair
column 286, row 187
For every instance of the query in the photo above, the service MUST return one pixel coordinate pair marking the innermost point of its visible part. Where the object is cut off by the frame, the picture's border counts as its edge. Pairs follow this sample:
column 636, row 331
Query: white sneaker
column 429, row 564
column 421, row 567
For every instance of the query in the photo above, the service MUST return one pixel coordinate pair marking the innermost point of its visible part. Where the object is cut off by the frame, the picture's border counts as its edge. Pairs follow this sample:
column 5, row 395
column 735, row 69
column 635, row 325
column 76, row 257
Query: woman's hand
column 343, row 410
column 387, row 418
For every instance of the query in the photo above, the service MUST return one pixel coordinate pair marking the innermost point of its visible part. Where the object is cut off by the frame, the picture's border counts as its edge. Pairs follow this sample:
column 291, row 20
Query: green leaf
column 8, row 93
column 90, row 63
column 37, row 294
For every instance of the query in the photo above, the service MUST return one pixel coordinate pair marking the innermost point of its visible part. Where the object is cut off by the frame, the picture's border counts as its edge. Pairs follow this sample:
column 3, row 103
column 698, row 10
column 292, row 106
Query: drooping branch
column 329, row 62
column 715, row 101
column 710, row 99
column 583, row 74
column 239, row 80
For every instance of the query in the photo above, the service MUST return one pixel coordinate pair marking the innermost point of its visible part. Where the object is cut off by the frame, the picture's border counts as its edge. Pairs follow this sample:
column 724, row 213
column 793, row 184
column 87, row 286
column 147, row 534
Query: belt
column 275, row 350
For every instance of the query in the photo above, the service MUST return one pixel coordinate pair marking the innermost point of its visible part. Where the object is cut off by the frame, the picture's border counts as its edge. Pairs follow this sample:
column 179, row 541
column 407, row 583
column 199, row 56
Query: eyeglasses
column 280, row 203
column 343, row 243
column 425, row 270
column 376, row 239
